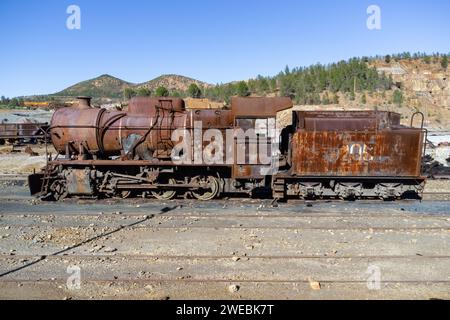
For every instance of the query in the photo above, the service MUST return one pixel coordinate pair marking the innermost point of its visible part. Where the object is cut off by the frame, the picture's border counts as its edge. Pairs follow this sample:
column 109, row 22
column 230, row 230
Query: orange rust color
column 384, row 153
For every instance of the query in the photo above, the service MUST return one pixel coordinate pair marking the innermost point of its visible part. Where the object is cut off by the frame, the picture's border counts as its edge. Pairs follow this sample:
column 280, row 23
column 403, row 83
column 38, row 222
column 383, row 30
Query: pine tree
column 143, row 92
column 161, row 92
column 128, row 93
column 242, row 89
column 194, row 91
column 444, row 62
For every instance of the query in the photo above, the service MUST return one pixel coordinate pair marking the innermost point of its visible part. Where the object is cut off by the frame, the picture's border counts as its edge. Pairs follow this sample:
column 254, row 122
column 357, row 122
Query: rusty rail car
column 29, row 132
column 339, row 154
column 350, row 154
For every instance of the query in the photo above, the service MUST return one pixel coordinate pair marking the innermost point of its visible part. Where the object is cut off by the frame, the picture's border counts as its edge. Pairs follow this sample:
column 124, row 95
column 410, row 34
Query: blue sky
column 214, row 41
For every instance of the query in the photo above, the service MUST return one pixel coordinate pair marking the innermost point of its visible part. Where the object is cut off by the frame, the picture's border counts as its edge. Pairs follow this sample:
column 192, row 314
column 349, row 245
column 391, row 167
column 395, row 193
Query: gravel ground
column 226, row 249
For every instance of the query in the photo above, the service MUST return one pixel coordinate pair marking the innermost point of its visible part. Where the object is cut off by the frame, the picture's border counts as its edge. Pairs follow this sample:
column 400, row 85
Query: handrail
column 414, row 116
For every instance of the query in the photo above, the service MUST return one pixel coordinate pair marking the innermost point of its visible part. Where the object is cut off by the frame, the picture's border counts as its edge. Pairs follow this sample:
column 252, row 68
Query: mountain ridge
column 108, row 86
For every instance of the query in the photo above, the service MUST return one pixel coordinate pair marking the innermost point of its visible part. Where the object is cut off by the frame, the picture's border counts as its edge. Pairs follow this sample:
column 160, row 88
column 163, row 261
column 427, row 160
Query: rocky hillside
column 422, row 83
column 425, row 86
column 172, row 82
column 105, row 86
column 111, row 88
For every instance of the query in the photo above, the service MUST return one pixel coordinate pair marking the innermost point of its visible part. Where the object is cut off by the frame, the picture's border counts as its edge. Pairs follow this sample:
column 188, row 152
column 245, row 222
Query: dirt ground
column 224, row 249
column 13, row 159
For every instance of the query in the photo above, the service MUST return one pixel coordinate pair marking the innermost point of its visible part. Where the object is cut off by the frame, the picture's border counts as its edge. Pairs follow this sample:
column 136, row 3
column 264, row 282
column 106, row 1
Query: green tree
column 398, row 97
column 263, row 85
column 176, row 94
column 273, row 84
column 161, row 92
column 387, row 59
column 143, row 92
column 194, row 91
column 427, row 59
column 307, row 84
column 14, row 102
column 242, row 89
column 128, row 93
column 444, row 62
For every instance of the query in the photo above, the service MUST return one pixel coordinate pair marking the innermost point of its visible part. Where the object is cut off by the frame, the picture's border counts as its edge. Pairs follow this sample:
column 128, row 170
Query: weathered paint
column 23, row 130
column 384, row 153
column 345, row 120
column 147, row 105
column 258, row 106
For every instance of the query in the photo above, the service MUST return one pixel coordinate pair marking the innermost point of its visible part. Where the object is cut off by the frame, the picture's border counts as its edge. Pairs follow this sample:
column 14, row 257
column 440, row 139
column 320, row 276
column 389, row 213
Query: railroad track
column 265, row 256
column 253, row 277
column 213, row 257
column 13, row 177
column 299, row 215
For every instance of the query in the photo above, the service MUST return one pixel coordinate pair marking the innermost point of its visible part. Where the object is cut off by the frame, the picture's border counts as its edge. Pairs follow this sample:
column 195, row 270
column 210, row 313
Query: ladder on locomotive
column 162, row 141
column 48, row 157
column 45, row 181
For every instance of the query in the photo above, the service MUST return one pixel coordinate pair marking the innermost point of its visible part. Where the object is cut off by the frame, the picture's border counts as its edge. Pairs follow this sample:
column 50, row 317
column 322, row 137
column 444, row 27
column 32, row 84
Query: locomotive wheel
column 166, row 195
column 59, row 190
column 209, row 189
column 123, row 194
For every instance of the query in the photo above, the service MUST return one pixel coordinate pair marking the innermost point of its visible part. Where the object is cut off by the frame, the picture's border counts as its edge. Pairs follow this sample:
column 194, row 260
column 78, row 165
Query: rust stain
column 341, row 148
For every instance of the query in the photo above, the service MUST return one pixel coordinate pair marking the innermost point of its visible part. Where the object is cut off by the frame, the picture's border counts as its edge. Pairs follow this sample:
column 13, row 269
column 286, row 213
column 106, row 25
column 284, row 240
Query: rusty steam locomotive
column 344, row 154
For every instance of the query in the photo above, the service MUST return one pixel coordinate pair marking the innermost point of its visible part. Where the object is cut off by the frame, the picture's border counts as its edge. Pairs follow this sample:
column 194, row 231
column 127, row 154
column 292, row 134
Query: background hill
column 103, row 86
column 107, row 89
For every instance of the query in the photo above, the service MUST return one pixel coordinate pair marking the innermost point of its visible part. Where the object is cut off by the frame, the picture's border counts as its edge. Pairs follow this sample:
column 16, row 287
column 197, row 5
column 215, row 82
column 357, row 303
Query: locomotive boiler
column 102, row 153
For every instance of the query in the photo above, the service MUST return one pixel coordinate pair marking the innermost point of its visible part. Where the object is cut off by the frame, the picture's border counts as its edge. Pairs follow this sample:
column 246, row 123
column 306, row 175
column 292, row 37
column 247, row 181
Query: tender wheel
column 208, row 190
column 59, row 190
column 123, row 194
column 167, row 194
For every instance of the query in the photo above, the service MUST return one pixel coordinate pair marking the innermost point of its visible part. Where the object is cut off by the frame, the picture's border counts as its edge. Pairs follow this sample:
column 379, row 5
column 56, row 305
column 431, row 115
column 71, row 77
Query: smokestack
column 84, row 102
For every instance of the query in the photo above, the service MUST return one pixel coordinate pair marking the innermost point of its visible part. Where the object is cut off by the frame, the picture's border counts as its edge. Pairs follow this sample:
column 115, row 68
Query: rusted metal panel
column 244, row 171
column 345, row 120
column 79, row 182
column 72, row 126
column 99, row 131
column 259, row 106
column 147, row 105
column 395, row 153
column 23, row 130
column 155, row 131
column 211, row 119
